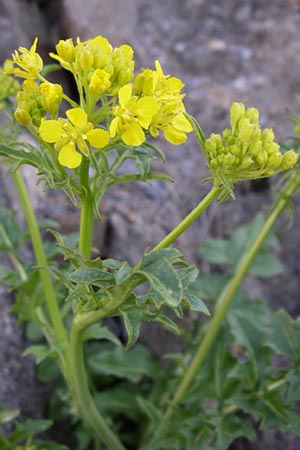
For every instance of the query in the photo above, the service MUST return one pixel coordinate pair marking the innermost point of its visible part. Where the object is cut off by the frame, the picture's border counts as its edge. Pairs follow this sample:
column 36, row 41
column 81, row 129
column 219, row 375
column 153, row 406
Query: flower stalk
column 61, row 338
column 229, row 292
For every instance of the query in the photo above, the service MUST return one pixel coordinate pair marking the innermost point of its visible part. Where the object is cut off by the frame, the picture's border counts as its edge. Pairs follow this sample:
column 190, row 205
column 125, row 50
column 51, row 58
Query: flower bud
column 274, row 160
column 99, row 82
column 51, row 97
column 65, row 50
column 255, row 149
column 289, row 160
column 252, row 114
column 86, row 60
column 229, row 160
column 262, row 158
column 250, row 133
column 272, row 148
column 210, row 146
column 246, row 162
column 237, row 111
column 267, row 135
column 22, row 116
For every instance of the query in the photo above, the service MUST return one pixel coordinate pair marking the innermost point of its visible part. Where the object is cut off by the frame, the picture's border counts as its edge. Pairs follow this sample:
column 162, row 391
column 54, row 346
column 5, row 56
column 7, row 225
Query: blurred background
column 224, row 51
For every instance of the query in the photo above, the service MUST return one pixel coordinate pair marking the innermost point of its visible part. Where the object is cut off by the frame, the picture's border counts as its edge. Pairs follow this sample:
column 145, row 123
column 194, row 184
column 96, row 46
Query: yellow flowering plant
column 82, row 145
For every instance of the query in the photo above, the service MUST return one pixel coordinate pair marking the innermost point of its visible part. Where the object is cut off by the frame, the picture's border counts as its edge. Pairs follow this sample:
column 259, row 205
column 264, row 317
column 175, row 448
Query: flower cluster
column 97, row 67
column 35, row 100
column 113, row 103
column 245, row 151
column 166, row 90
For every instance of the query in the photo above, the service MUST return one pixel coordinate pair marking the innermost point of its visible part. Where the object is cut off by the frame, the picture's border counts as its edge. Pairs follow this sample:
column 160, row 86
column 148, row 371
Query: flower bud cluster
column 29, row 104
column 34, row 101
column 245, row 151
column 8, row 86
column 97, row 66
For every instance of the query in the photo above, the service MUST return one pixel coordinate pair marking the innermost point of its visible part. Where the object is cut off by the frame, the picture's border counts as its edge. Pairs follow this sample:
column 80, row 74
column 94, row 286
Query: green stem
column 89, row 412
column 54, row 312
column 228, row 293
column 87, row 215
column 189, row 219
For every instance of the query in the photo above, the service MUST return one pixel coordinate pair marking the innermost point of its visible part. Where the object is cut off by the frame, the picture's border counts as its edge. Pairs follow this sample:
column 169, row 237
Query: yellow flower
column 71, row 135
column 29, row 63
column 99, row 82
column 51, row 96
column 170, row 118
column 133, row 116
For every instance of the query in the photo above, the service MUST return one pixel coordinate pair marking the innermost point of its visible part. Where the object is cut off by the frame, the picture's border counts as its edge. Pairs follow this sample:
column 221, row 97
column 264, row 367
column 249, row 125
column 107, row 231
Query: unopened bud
column 274, row 160
column 246, row 162
column 262, row 158
column 65, row 49
column 237, row 111
column 289, row 160
column 250, row 134
column 22, row 116
column 252, row 114
column 86, row 60
column 267, row 135
column 272, row 148
column 210, row 146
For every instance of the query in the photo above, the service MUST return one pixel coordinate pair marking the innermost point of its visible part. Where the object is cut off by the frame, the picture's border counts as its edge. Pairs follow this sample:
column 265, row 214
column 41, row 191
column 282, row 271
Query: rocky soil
column 224, row 51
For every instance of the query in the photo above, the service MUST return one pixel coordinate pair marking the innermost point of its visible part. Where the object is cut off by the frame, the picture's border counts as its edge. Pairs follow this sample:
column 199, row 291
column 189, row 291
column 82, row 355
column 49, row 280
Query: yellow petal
column 50, row 130
column 159, row 69
column 147, row 107
column 98, row 138
column 181, row 123
column 173, row 135
column 82, row 145
column 114, row 125
column 77, row 116
column 125, row 94
column 69, row 157
column 133, row 135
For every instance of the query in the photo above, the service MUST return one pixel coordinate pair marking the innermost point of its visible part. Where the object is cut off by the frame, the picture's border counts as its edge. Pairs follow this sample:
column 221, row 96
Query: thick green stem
column 228, row 293
column 89, row 412
column 49, row 292
column 189, row 219
column 87, row 215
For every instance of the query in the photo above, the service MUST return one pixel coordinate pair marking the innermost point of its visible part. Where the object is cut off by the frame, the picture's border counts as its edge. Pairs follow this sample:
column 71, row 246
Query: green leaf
column 90, row 276
column 28, row 429
column 39, row 352
column 120, row 399
column 293, row 377
column 131, row 364
column 195, row 303
column 123, row 273
column 278, row 414
column 265, row 265
column 216, row 251
column 133, row 318
column 285, row 336
column 164, row 281
column 249, row 324
column 10, row 232
column 7, row 415
column 171, row 254
column 99, row 332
